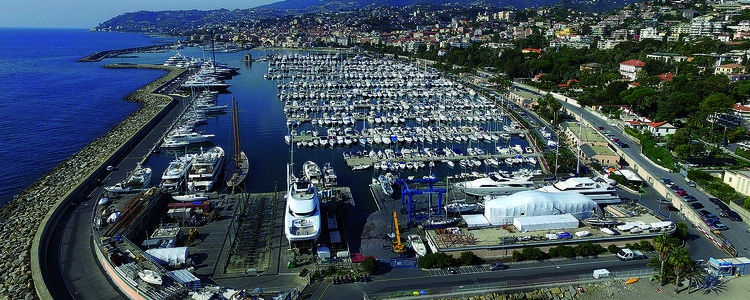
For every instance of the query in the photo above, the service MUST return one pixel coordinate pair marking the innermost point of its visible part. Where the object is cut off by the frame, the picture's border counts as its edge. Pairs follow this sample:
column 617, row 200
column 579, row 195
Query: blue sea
column 51, row 105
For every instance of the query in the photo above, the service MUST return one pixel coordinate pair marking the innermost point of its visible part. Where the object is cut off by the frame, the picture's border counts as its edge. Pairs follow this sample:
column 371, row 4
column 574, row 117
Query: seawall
column 25, row 220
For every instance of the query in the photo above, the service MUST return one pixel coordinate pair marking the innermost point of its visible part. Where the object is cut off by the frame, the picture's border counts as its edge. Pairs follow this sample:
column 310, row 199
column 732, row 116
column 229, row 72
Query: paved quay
column 21, row 218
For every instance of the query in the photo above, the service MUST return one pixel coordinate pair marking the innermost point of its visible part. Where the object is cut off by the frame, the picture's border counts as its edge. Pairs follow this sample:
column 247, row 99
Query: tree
column 663, row 248
column 715, row 103
column 613, row 249
column 694, row 274
column 469, row 258
column 681, row 262
column 370, row 265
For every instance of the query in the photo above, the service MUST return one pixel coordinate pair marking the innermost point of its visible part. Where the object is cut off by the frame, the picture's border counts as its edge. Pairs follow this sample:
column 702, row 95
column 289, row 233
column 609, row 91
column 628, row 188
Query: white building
column 630, row 68
column 503, row 210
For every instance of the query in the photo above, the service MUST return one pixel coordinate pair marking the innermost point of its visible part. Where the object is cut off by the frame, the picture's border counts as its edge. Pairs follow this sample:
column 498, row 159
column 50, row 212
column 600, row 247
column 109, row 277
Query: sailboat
column 241, row 165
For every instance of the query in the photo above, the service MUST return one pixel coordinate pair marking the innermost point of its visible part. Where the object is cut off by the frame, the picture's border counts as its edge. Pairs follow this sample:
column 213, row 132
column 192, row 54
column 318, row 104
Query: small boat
column 120, row 188
column 631, row 280
column 417, row 245
column 241, row 165
column 600, row 222
column 440, row 222
column 150, row 276
column 190, row 197
column 460, row 207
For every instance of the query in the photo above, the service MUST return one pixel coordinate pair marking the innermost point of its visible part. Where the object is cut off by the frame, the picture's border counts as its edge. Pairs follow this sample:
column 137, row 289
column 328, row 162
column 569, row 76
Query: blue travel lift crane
column 407, row 191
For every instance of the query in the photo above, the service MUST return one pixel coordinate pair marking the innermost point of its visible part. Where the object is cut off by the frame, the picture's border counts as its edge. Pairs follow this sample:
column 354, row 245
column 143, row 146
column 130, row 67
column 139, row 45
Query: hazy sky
column 89, row 13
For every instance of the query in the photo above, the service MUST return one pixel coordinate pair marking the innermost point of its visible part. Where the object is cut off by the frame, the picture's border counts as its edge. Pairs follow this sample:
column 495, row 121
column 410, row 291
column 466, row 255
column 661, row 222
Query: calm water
column 50, row 105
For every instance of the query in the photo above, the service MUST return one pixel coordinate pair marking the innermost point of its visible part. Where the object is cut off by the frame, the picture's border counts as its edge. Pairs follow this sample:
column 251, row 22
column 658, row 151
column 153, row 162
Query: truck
column 627, row 254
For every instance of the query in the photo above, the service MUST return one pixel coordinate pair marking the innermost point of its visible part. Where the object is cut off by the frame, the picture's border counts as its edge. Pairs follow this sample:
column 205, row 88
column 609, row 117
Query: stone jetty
column 23, row 215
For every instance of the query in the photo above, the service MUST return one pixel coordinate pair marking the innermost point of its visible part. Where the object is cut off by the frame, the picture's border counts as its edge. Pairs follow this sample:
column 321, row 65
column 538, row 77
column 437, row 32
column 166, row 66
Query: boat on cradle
column 386, row 184
column 417, row 245
column 150, row 277
column 601, row 190
column 206, row 170
column 191, row 197
column 600, row 222
column 461, row 207
column 302, row 218
column 440, row 222
column 238, row 169
column 312, row 172
column 495, row 184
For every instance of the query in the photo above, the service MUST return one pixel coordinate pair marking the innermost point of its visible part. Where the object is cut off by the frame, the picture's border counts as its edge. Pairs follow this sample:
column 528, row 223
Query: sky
column 89, row 13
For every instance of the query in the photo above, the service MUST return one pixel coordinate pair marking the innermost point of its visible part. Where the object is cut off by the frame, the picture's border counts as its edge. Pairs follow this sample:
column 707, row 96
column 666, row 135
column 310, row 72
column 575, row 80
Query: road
column 413, row 279
column 738, row 231
column 72, row 269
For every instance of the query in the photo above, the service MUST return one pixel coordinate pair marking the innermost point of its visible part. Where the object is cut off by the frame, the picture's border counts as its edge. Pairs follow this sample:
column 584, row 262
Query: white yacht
column 599, row 189
column 417, row 245
column 302, row 218
column 140, row 177
column 495, row 184
column 312, row 171
column 461, row 207
column 206, row 170
column 181, row 138
column 174, row 177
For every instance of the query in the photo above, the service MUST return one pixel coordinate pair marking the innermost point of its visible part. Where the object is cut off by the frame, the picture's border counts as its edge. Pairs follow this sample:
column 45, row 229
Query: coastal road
column 72, row 267
column 738, row 231
column 528, row 273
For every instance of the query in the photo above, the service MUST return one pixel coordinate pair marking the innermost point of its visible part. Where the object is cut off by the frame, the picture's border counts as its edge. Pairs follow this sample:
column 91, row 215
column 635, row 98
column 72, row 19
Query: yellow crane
column 397, row 246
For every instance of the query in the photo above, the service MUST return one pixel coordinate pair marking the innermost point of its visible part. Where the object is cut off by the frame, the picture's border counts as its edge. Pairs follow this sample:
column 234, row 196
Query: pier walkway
column 359, row 161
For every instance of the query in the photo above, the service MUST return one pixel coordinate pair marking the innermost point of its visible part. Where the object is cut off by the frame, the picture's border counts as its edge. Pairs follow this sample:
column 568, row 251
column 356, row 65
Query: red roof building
column 634, row 62
column 529, row 50
column 630, row 68
column 666, row 77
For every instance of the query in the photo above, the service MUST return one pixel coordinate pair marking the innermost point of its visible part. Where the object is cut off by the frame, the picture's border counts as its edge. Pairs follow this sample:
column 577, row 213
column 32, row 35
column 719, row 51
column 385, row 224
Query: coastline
column 29, row 212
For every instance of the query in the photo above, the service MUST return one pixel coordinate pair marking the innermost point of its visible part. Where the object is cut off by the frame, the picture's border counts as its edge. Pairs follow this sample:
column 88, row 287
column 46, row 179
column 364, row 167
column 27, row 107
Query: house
column 441, row 52
column 589, row 67
column 538, row 77
column 667, row 57
column 630, row 68
column 633, row 85
column 730, row 69
column 738, row 77
column 742, row 111
column 523, row 98
column 531, row 50
column 661, row 128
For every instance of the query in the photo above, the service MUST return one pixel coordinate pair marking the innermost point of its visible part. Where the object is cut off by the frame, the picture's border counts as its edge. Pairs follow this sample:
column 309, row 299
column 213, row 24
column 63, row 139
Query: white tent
column 524, row 224
column 475, row 221
column 169, row 256
column 502, row 210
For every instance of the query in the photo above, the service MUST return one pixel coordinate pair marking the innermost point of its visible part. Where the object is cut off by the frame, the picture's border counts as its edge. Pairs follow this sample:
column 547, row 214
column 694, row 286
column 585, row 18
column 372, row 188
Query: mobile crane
column 398, row 247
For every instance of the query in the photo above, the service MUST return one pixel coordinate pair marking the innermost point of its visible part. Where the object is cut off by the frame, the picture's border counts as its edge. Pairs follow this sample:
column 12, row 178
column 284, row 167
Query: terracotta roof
column 634, row 84
column 666, row 76
column 740, row 107
column 655, row 124
column 532, row 50
column 731, row 66
column 633, row 62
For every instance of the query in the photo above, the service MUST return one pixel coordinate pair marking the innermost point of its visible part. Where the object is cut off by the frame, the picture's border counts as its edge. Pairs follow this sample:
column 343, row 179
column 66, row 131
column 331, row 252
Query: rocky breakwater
column 25, row 216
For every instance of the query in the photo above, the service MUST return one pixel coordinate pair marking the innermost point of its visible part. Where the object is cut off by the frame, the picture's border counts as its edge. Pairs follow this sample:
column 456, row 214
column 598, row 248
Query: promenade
column 23, row 219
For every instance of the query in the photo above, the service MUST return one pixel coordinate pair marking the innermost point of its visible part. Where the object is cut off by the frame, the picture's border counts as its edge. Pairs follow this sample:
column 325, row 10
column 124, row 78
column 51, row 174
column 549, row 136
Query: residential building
column 629, row 69
column 594, row 148
column 667, row 57
column 739, row 180
column 729, row 69
column 607, row 44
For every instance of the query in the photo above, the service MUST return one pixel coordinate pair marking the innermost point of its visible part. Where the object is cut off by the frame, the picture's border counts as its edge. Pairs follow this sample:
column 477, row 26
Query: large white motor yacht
column 599, row 189
column 495, row 184
column 206, row 170
column 302, row 219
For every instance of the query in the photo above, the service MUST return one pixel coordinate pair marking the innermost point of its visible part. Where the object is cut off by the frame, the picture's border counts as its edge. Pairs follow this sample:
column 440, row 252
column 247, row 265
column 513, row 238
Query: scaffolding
column 414, row 208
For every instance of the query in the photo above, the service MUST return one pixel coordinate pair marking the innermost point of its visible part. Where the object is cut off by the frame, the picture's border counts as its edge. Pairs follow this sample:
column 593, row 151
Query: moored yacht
column 599, row 189
column 206, row 170
column 495, row 184
column 312, row 172
column 174, row 177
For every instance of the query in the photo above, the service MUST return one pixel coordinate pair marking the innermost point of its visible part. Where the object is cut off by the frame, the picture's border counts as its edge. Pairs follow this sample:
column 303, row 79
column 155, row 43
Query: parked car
column 664, row 201
column 722, row 206
column 681, row 193
column 704, row 212
column 498, row 266
column 714, row 200
column 601, row 128
column 689, row 198
column 671, row 207
column 696, row 205
column 734, row 216
column 691, row 184
column 719, row 226
column 622, row 145
column 452, row 270
column 615, row 140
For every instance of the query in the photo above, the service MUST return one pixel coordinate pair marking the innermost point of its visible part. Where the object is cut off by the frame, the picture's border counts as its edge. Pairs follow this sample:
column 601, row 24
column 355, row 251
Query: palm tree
column 695, row 275
column 663, row 248
column 681, row 263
